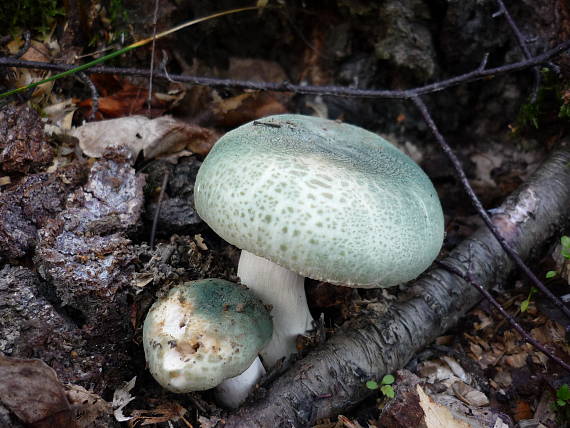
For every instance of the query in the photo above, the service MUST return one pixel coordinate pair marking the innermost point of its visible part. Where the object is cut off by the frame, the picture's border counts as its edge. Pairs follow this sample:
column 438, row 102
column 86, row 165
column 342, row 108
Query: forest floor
column 82, row 261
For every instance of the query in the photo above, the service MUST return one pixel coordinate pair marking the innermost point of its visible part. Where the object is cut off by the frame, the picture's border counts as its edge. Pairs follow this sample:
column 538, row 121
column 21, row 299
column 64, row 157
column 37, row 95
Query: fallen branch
column 460, row 173
column 332, row 378
column 339, row 91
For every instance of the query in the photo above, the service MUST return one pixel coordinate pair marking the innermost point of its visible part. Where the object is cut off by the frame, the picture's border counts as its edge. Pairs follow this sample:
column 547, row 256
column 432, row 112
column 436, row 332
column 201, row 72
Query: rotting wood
column 331, row 379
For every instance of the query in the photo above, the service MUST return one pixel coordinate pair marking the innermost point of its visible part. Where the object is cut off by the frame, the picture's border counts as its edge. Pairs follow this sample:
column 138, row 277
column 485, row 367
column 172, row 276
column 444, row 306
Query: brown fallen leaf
column 436, row 415
column 119, row 98
column 517, row 360
column 469, row 395
column 522, row 410
column 31, row 390
column 87, row 406
column 170, row 411
column 38, row 52
column 235, row 111
column 154, row 137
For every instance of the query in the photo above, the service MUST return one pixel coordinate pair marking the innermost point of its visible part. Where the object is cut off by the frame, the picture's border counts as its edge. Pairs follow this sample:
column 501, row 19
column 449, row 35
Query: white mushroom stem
column 284, row 290
column 232, row 392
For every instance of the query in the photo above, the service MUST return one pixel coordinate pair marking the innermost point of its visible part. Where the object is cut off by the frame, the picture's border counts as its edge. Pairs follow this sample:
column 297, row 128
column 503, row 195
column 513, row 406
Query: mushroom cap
column 327, row 200
column 204, row 332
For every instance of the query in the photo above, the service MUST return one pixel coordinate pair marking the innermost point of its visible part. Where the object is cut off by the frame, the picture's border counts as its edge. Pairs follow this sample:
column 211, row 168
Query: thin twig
column 26, row 46
column 481, row 210
column 523, row 44
column 94, row 94
column 152, row 51
column 469, row 279
column 157, row 212
column 339, row 91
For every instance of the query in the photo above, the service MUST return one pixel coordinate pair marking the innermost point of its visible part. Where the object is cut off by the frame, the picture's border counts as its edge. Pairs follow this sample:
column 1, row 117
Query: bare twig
column 157, row 212
column 481, row 210
column 523, row 44
column 26, row 45
column 152, row 51
column 94, row 94
column 469, row 279
column 339, row 91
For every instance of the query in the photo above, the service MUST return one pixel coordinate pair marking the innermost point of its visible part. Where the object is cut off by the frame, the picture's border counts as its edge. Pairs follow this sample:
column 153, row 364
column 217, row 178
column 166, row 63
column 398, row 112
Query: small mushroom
column 195, row 338
column 304, row 196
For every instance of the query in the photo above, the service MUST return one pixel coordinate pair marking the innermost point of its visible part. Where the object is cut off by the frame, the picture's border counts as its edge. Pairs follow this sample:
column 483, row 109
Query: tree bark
column 331, row 379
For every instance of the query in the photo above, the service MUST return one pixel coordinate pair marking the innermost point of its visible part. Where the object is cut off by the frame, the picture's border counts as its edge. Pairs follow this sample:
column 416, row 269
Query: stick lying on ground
column 332, row 378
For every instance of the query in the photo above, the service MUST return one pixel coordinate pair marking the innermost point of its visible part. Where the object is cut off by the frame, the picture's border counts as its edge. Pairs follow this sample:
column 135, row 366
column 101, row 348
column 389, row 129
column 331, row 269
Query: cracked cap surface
column 202, row 333
column 327, row 200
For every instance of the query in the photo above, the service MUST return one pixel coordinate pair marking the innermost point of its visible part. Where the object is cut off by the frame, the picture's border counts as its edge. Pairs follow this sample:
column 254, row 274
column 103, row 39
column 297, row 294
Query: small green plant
column 385, row 386
column 37, row 15
column 565, row 242
column 526, row 302
column 552, row 99
column 550, row 274
column 563, row 396
column 561, row 404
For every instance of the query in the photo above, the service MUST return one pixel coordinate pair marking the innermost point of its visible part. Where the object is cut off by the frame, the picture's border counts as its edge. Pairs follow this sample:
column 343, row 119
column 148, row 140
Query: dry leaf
column 517, row 360
column 522, row 410
column 200, row 242
column 210, row 422
column 456, row 369
column 121, row 398
column 120, row 98
column 37, row 52
column 87, row 407
column 235, row 111
column 165, row 412
column 31, row 390
column 503, row 379
column 154, row 137
column 469, row 395
column 436, row 415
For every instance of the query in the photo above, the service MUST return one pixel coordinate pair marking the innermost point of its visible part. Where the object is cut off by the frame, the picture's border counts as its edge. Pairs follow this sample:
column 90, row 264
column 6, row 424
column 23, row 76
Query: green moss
column 36, row 15
column 552, row 103
column 117, row 12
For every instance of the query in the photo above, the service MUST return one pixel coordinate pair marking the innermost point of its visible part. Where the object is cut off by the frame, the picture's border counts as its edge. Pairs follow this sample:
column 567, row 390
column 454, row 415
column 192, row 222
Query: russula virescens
column 304, row 196
column 205, row 333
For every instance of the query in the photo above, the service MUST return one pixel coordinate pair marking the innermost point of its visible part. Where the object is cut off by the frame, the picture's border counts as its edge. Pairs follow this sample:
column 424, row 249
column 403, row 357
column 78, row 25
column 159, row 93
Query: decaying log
column 331, row 379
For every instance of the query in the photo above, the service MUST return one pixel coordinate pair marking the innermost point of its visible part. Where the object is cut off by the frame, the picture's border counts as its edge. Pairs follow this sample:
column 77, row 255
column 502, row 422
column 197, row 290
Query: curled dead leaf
column 32, row 391
column 154, row 137
column 469, row 395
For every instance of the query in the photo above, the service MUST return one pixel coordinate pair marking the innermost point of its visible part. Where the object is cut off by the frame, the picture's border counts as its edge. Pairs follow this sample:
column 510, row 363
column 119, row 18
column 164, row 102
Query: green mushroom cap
column 204, row 332
column 327, row 200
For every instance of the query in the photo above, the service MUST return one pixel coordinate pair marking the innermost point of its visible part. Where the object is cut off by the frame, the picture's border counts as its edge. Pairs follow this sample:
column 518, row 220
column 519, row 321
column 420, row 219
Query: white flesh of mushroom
column 169, row 346
column 284, row 290
column 233, row 391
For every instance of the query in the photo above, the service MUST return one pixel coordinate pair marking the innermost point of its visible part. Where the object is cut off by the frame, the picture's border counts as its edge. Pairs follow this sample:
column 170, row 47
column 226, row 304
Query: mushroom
column 310, row 197
column 205, row 334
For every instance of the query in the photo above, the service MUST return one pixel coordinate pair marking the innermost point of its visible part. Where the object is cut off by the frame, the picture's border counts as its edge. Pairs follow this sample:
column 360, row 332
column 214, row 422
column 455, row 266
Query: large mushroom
column 205, row 334
column 310, row 197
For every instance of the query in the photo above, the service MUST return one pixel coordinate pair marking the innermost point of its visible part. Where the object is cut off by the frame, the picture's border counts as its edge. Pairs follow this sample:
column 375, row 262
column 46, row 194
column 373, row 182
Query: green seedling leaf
column 526, row 302
column 566, row 253
column 563, row 393
column 388, row 380
column 388, row 391
column 561, row 402
column 565, row 241
column 550, row 274
column 372, row 385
